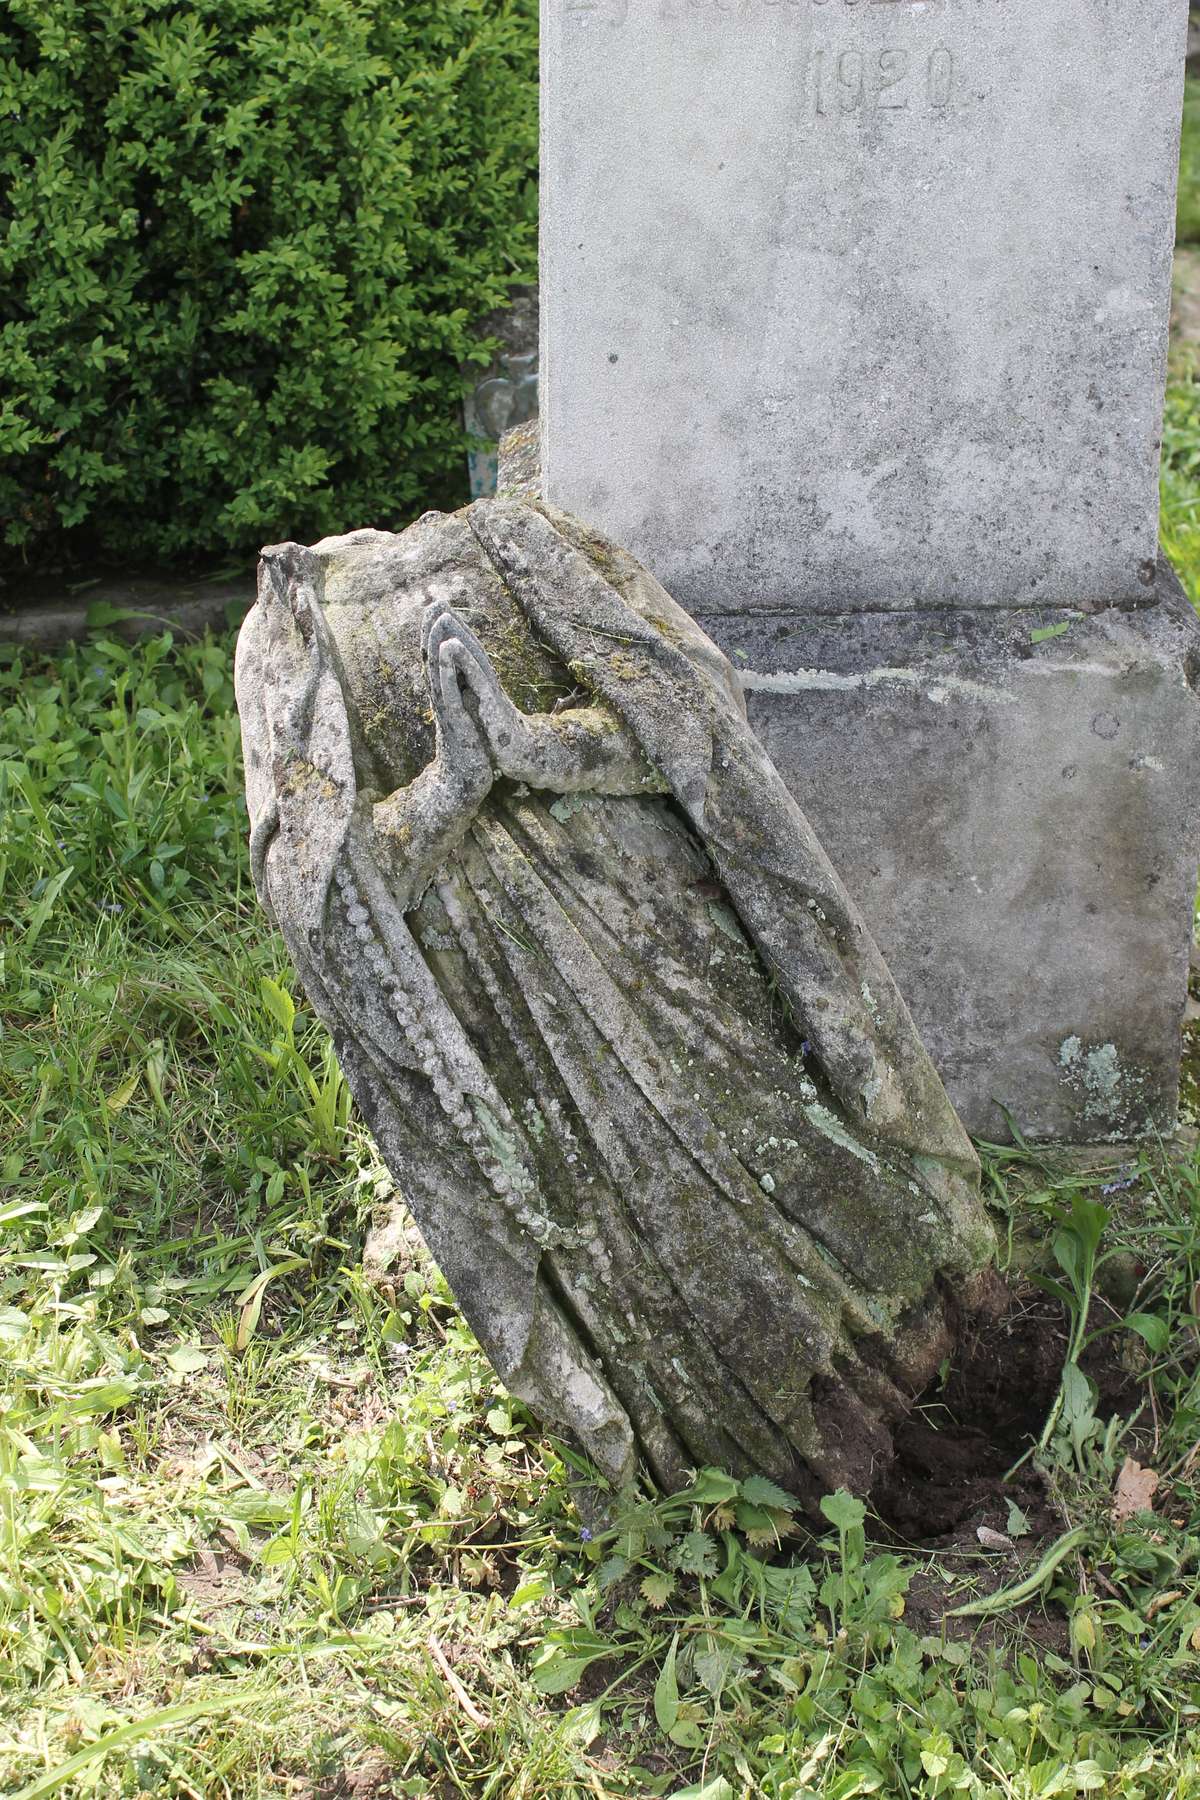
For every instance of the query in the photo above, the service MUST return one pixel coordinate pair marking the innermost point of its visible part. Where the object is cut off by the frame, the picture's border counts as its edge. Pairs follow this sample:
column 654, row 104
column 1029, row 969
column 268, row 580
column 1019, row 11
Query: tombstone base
column 1019, row 819
column 1013, row 797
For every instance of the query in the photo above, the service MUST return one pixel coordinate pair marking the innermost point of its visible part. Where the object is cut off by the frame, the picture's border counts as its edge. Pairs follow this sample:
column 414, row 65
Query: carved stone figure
column 622, row 1036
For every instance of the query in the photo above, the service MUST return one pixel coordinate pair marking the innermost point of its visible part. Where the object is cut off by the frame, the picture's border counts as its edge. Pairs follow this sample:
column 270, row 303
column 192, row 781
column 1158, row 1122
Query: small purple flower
column 585, row 1535
column 111, row 906
column 1117, row 1187
column 805, row 1047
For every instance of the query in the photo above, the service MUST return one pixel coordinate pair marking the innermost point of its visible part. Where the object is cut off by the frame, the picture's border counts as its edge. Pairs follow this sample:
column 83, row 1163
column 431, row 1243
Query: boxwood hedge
column 242, row 245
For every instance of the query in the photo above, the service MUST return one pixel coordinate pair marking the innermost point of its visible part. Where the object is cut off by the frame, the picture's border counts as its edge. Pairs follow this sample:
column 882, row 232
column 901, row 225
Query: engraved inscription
column 893, row 72
column 940, row 77
column 892, row 80
column 616, row 12
column 602, row 12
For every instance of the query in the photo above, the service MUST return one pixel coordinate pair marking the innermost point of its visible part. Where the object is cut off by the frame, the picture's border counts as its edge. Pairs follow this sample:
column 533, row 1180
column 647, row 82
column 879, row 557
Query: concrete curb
column 188, row 608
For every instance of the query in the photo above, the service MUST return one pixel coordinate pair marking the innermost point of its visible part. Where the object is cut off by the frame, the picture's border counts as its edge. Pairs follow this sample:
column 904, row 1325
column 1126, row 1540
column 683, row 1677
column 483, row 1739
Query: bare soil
column 964, row 1435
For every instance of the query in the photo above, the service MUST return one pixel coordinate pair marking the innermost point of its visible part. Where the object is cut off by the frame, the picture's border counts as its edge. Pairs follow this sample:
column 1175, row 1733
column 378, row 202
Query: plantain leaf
column 666, row 1691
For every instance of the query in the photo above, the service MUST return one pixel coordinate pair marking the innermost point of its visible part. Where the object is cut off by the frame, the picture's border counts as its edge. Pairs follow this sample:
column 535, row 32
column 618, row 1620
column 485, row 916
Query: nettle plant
column 243, row 247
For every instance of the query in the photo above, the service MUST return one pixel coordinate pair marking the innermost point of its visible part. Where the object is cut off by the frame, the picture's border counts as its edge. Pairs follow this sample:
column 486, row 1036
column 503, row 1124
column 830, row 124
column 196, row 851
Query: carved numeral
column 887, row 81
column 941, row 77
column 850, row 79
column 893, row 72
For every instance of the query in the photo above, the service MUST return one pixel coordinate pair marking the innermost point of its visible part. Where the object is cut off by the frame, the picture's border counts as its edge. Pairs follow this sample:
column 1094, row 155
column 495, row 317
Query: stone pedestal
column 1013, row 797
column 1018, row 815
column 854, row 330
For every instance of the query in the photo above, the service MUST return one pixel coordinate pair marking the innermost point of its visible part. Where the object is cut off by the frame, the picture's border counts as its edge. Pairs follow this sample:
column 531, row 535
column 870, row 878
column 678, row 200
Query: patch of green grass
column 1187, row 221
column 1180, row 483
column 267, row 1527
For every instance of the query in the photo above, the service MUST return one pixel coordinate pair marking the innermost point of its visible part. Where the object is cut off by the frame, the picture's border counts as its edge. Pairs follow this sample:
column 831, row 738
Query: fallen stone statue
column 621, row 1034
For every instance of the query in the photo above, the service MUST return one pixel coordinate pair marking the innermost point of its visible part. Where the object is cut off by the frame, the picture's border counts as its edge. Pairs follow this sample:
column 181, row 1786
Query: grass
column 1187, row 223
column 267, row 1527
column 270, row 1527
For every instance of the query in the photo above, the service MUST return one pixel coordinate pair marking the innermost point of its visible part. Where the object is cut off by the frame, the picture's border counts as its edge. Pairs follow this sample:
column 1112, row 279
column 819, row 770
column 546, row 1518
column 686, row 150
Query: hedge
column 242, row 246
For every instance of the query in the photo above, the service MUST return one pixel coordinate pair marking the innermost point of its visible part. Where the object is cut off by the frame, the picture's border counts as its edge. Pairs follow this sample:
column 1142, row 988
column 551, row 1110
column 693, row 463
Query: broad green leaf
column 843, row 1510
column 1089, row 1776
column 559, row 1673
column 666, row 1690
column 1152, row 1328
column 687, row 1734
column 885, row 1580
column 656, row 1590
column 564, row 1659
column 727, row 1586
column 583, row 1724
column 718, row 1665
column 536, row 1588
column 1079, row 1406
column 936, row 1752
column 124, row 1092
column 755, row 1520
column 1089, row 1218
column 858, row 1779
column 712, row 1487
column 279, row 1004
column 610, row 1571
column 696, row 1554
column 789, row 1593
column 278, row 1550
column 1068, row 1253
column 761, row 1492
column 1016, row 1525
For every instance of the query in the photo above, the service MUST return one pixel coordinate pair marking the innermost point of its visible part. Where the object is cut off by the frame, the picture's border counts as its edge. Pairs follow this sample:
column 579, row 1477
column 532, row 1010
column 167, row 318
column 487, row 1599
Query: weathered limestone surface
column 1019, row 819
column 1020, row 822
column 621, row 1033
column 861, row 303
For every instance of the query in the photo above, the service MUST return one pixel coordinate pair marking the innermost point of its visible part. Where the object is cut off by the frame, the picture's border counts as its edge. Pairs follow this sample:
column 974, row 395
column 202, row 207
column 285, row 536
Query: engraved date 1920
column 857, row 81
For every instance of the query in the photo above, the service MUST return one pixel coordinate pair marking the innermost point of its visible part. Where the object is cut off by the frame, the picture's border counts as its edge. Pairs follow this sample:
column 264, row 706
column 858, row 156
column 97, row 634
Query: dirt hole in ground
column 969, row 1428
column 974, row 1421
column 963, row 1436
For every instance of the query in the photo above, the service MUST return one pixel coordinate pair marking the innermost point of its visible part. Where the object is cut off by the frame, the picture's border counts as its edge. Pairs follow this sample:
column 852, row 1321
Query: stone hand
column 505, row 728
column 462, row 756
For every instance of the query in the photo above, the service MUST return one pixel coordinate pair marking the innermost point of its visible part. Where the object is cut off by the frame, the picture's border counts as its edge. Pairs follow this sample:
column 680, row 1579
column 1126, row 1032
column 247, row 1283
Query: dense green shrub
column 242, row 244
